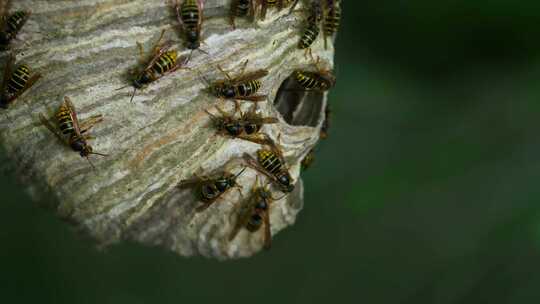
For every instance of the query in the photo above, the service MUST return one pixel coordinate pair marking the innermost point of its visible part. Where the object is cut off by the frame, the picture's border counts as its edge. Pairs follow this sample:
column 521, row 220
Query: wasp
column 270, row 162
column 246, row 127
column 312, row 29
column 11, row 24
column 332, row 18
column 240, row 8
column 242, row 87
column 321, row 80
column 256, row 213
column 190, row 16
column 70, row 131
column 16, row 82
column 163, row 62
column 212, row 188
column 330, row 11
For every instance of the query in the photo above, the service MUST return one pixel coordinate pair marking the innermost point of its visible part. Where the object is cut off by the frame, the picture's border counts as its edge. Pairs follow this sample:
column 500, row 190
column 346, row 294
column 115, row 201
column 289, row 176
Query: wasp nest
column 83, row 49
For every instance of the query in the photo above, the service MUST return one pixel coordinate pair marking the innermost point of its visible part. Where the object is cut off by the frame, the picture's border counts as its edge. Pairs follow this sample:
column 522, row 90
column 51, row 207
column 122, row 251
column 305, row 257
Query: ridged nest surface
column 84, row 50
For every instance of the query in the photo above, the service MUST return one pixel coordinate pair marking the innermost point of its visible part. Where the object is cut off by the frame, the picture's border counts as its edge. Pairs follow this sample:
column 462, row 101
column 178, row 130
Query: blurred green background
column 425, row 192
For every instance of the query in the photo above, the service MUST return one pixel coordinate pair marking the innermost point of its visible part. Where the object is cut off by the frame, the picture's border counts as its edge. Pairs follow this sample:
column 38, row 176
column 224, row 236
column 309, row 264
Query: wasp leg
column 255, row 139
column 224, row 72
column 243, row 70
column 253, row 98
column 88, row 123
column 267, row 229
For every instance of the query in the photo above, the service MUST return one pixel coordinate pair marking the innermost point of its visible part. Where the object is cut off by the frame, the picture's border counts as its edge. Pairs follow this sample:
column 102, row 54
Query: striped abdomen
column 242, row 8
column 15, row 22
column 309, row 35
column 165, row 62
column 271, row 3
column 64, row 120
column 307, row 80
column 248, row 88
column 269, row 161
column 190, row 14
column 18, row 79
column 332, row 18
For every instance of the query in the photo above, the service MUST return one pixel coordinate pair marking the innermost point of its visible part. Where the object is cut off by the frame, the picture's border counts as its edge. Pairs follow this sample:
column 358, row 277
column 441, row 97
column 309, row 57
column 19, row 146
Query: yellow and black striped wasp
column 211, row 188
column 331, row 16
column 242, row 87
column 321, row 80
column 313, row 26
column 164, row 61
column 16, row 82
column 246, row 127
column 270, row 162
column 190, row 16
column 256, row 213
column 241, row 8
column 67, row 128
column 11, row 24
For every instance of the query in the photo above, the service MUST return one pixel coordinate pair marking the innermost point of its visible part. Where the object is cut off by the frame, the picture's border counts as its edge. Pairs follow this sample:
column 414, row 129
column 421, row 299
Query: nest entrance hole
column 297, row 106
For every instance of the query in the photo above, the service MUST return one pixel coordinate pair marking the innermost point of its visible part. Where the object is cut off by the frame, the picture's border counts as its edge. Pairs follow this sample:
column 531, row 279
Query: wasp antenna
column 100, row 154
column 203, row 51
column 123, row 87
column 189, row 57
column 238, row 174
column 133, row 95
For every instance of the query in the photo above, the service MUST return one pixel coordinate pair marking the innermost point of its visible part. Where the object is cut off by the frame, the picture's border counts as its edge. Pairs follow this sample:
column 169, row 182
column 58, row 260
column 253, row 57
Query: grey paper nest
column 84, row 49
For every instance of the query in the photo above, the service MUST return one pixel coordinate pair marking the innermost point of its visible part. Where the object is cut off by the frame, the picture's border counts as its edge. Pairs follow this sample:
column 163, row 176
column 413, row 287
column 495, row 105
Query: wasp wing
column 249, row 76
column 51, row 128
column 245, row 212
column 73, row 114
column 267, row 229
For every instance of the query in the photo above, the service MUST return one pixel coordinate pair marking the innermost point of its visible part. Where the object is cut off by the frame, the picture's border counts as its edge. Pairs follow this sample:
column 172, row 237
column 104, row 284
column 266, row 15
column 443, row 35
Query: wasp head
column 285, row 182
column 193, row 40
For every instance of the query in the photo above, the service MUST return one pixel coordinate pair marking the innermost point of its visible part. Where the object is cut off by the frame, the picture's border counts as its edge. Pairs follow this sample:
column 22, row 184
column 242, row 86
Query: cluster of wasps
column 244, row 86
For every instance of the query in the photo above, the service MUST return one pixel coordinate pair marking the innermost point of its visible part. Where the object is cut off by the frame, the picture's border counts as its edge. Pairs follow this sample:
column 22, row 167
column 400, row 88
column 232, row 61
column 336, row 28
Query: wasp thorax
column 223, row 184
column 227, row 91
column 142, row 80
column 234, row 128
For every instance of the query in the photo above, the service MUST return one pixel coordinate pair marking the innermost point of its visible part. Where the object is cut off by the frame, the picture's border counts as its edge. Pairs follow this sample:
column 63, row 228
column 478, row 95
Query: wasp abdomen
column 190, row 14
column 269, row 161
column 165, row 63
column 248, row 88
column 307, row 80
column 332, row 19
column 309, row 36
column 16, row 21
column 18, row 79
column 65, row 121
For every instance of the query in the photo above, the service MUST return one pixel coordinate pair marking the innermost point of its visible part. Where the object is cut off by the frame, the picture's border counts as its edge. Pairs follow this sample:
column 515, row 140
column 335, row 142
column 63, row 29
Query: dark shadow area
column 297, row 106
